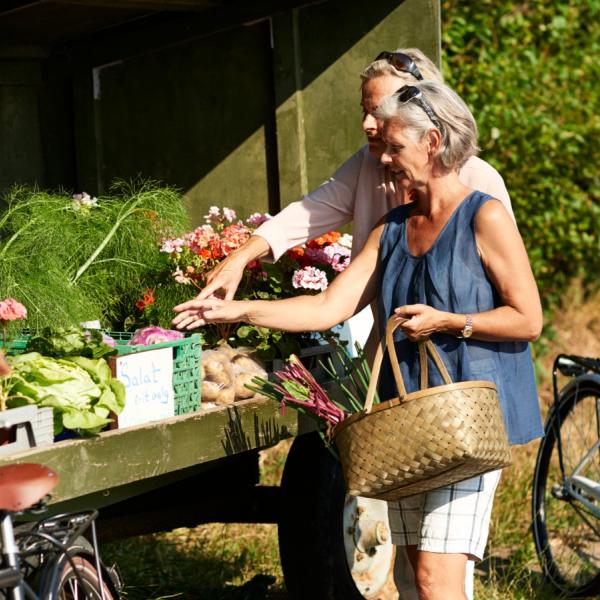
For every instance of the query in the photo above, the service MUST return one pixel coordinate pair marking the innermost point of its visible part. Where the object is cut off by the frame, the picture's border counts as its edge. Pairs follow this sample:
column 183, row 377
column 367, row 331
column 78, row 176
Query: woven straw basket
column 422, row 440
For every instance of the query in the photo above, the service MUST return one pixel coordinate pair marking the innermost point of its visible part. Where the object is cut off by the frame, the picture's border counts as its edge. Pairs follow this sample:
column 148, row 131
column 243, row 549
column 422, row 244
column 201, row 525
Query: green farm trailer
column 240, row 104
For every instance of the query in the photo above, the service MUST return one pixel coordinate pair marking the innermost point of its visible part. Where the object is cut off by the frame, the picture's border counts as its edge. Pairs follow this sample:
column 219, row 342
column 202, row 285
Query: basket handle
column 388, row 341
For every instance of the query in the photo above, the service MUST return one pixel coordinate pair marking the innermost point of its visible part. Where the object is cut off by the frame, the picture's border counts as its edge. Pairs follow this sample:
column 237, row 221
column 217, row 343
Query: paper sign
column 147, row 377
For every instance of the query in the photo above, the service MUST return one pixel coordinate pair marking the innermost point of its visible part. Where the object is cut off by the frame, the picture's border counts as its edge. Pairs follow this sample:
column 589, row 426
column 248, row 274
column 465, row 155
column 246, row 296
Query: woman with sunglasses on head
column 452, row 266
column 360, row 191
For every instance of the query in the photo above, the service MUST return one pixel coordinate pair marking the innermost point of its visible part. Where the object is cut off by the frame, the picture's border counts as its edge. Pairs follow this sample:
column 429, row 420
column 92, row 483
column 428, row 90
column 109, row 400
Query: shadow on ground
column 185, row 567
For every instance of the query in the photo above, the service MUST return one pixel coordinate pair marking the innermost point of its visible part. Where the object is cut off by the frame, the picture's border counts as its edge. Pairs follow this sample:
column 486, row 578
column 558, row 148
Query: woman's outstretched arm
column 350, row 292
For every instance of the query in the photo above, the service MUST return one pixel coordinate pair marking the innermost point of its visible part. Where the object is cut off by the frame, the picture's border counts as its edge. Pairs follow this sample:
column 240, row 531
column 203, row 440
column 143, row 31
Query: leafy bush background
column 530, row 73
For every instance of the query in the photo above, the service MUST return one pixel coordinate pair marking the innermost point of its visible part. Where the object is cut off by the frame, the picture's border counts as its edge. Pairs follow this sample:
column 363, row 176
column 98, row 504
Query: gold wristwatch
column 467, row 330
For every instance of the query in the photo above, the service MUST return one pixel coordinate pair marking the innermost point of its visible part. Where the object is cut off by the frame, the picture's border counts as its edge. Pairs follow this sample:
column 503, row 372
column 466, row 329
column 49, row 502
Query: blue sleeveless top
column 450, row 277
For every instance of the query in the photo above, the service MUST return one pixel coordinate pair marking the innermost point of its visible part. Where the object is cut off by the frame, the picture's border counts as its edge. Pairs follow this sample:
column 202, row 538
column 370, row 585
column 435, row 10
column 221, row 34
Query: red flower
column 146, row 300
column 296, row 253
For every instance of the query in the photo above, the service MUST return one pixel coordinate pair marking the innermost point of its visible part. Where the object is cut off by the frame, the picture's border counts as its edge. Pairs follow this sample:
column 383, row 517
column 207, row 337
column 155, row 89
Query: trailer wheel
column 332, row 546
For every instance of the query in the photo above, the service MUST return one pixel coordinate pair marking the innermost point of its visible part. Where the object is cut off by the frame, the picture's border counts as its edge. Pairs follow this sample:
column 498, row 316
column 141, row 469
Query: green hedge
column 530, row 73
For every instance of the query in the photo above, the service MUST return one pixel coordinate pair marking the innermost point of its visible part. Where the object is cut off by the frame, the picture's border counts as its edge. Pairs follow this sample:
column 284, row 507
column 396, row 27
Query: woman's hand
column 421, row 321
column 226, row 276
column 196, row 313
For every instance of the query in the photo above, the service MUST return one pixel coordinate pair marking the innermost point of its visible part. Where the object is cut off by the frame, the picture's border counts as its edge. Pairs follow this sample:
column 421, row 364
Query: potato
column 226, row 351
column 241, row 391
column 243, row 364
column 210, row 391
column 215, row 355
column 219, row 372
column 225, row 396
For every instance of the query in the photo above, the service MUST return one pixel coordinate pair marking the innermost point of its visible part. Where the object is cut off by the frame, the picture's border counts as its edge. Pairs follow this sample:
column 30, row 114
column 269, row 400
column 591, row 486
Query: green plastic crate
column 16, row 345
column 187, row 353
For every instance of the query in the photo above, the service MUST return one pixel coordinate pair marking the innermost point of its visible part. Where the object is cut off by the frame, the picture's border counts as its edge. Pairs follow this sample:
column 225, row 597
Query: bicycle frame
column 10, row 576
column 583, row 489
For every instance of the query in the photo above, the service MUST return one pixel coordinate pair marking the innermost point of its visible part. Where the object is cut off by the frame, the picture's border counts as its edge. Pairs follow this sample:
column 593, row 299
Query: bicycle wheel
column 566, row 526
column 76, row 579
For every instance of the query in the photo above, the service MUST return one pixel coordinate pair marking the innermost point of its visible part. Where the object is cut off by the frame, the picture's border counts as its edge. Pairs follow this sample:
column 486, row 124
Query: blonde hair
column 382, row 67
column 458, row 127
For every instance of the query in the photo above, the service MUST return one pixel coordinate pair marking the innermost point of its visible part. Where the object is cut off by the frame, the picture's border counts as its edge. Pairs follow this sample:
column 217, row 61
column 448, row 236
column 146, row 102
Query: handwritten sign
column 147, row 377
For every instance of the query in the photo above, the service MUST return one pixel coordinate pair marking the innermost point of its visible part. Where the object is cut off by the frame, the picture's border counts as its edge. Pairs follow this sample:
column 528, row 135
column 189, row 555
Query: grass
column 209, row 562
column 240, row 562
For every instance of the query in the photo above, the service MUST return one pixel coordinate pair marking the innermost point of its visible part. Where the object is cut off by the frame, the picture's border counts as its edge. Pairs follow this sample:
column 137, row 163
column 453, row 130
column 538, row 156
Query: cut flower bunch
column 295, row 386
column 191, row 256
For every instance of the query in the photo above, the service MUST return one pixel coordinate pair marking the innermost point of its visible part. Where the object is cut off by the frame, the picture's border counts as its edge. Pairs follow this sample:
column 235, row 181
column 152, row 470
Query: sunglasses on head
column 411, row 92
column 402, row 62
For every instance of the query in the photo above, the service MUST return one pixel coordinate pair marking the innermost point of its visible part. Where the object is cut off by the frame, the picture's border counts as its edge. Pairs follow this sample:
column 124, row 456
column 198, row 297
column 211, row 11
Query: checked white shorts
column 453, row 519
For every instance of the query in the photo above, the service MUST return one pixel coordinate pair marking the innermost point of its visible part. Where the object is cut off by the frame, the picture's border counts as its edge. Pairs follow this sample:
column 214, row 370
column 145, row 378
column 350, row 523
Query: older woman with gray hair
column 452, row 266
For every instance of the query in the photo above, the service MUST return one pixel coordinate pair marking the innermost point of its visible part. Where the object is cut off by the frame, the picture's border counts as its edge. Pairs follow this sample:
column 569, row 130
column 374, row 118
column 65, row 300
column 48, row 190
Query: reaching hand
column 198, row 312
column 224, row 279
column 421, row 321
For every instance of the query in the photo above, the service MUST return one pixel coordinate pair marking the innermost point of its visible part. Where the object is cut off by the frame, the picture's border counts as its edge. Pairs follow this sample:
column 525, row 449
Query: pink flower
column 338, row 257
column 213, row 215
column 173, row 246
column 179, row 277
column 11, row 310
column 310, row 278
column 200, row 237
column 233, row 236
column 257, row 219
column 229, row 214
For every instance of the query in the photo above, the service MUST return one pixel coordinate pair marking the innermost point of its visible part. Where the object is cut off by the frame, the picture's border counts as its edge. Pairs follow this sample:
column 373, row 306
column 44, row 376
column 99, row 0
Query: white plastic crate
column 26, row 427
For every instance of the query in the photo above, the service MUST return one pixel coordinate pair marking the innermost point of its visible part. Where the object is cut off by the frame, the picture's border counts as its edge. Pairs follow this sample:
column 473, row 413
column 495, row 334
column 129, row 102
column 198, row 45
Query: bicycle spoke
column 74, row 587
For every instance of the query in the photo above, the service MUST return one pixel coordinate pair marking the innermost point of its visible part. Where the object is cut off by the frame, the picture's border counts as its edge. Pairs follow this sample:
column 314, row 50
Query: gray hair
column 382, row 67
column 458, row 127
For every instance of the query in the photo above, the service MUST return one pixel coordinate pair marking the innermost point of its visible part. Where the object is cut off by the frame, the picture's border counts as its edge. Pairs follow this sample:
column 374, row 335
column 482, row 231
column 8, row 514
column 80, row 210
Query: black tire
column 64, row 579
column 311, row 542
column 566, row 533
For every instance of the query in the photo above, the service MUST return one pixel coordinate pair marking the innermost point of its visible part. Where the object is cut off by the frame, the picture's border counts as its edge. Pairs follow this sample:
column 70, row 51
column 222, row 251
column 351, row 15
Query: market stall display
column 123, row 261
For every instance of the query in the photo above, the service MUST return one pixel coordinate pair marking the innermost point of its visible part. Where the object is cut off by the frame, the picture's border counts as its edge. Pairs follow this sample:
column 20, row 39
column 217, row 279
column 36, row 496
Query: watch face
column 467, row 331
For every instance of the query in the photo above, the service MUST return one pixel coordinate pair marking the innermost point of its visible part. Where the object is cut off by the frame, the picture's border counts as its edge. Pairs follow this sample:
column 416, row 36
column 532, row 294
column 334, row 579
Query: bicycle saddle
column 21, row 486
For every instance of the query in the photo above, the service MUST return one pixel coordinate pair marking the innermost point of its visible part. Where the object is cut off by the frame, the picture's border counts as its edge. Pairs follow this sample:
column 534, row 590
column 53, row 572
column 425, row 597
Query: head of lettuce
column 81, row 391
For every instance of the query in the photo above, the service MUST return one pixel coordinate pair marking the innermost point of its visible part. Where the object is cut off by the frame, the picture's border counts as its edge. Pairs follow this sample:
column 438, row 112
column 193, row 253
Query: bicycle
column 50, row 556
column 566, row 483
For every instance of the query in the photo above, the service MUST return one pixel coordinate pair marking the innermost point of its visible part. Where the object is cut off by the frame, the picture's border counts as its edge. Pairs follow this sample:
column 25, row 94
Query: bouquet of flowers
column 295, row 386
column 311, row 266
column 189, row 258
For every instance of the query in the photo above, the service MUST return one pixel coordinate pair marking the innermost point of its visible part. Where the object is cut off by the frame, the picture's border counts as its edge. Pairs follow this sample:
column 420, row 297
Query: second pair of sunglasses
column 402, row 62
